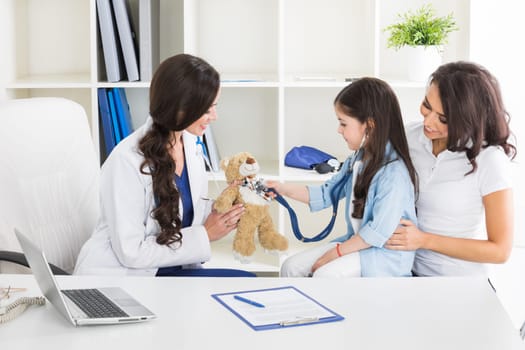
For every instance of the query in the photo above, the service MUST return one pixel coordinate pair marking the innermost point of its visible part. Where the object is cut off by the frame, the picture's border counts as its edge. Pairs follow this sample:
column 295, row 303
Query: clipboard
column 273, row 308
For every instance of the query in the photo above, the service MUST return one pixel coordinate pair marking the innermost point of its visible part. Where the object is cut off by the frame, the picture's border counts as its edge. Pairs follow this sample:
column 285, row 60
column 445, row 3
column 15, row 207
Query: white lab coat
column 124, row 241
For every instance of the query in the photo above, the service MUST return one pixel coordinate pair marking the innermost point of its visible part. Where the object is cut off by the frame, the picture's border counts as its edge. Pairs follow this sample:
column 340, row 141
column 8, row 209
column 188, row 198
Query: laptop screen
column 43, row 275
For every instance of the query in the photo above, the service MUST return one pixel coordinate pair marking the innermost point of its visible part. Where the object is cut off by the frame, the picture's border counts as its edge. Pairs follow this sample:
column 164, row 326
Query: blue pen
column 248, row 301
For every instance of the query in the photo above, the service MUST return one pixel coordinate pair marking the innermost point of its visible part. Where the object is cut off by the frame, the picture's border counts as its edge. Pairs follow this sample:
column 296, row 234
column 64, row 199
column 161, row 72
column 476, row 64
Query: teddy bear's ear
column 224, row 163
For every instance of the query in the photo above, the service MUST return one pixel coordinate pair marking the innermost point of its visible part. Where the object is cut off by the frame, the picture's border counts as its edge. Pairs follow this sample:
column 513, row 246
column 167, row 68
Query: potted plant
column 423, row 34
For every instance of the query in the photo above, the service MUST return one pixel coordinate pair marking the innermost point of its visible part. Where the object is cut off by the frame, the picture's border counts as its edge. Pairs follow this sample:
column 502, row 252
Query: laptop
column 83, row 306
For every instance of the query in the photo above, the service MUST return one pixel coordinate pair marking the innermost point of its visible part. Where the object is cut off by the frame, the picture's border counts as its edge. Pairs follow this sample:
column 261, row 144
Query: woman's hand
column 225, row 200
column 325, row 259
column 219, row 225
column 406, row 237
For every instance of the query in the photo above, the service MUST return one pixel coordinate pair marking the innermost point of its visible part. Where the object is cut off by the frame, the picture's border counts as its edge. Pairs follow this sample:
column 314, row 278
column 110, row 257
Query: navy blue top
column 183, row 185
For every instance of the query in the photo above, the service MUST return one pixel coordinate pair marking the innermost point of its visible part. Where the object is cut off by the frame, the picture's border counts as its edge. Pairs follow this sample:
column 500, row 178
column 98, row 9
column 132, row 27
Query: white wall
column 497, row 43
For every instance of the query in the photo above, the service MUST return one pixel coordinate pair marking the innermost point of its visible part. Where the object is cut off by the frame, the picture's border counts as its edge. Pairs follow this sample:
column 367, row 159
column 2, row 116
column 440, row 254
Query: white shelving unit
column 274, row 51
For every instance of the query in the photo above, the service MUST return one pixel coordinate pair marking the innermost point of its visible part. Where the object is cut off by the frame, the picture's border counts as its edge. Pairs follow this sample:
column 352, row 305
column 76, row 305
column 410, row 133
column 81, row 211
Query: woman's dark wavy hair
column 183, row 88
column 472, row 102
column 372, row 101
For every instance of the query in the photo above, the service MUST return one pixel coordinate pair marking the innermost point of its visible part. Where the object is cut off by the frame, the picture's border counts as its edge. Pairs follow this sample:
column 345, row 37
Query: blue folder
column 277, row 307
column 105, row 118
column 114, row 117
column 123, row 112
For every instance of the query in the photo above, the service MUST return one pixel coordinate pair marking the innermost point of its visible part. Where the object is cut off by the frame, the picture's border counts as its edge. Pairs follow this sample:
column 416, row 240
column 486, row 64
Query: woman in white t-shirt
column 462, row 155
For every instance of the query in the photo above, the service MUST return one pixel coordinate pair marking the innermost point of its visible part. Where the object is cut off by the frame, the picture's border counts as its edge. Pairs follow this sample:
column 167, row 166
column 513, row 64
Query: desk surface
column 390, row 313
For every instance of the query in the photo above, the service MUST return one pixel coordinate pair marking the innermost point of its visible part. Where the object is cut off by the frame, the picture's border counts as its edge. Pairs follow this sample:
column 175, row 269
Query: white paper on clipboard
column 283, row 307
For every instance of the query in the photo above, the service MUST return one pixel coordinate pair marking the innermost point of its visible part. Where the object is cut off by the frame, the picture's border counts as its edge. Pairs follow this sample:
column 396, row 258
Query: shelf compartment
column 320, row 40
column 311, row 121
column 50, row 48
column 239, row 38
column 248, row 122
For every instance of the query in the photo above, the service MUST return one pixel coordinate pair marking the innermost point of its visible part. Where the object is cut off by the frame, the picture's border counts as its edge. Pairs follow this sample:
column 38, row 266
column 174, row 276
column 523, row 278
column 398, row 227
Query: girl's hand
column 406, row 237
column 219, row 225
column 293, row 191
column 274, row 186
column 325, row 259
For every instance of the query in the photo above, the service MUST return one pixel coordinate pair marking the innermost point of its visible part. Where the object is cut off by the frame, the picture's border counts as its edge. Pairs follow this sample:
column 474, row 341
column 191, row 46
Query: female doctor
column 155, row 218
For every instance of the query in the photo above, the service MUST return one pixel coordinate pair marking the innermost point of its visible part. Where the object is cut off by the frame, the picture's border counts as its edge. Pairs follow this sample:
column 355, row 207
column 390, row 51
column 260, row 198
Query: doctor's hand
column 406, row 237
column 219, row 225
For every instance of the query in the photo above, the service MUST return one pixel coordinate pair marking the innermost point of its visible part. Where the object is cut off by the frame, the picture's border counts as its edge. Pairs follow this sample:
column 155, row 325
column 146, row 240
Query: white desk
column 402, row 313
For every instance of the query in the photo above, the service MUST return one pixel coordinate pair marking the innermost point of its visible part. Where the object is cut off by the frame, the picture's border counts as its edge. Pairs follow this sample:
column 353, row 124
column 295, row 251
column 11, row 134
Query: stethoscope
column 201, row 151
column 335, row 194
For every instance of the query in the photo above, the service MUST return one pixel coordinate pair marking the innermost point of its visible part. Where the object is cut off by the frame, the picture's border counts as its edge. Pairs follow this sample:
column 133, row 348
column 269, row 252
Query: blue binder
column 123, row 112
column 114, row 117
column 105, row 118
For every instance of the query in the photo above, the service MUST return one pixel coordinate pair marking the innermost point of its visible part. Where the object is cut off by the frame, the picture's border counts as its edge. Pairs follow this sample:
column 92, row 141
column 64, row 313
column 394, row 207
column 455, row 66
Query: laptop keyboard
column 94, row 303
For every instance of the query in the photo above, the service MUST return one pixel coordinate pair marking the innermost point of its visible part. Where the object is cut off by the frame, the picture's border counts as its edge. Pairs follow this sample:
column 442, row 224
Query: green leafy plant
column 420, row 28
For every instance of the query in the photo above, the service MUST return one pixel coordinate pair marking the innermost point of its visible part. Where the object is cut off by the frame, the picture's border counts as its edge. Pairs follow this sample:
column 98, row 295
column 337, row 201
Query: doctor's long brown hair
column 373, row 101
column 182, row 89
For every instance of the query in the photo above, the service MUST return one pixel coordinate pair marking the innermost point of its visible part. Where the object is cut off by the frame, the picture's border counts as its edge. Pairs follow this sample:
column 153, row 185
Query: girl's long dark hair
column 372, row 101
column 472, row 102
column 183, row 88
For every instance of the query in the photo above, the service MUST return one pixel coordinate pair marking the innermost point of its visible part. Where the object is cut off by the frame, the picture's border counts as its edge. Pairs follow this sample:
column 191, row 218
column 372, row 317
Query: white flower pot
column 422, row 61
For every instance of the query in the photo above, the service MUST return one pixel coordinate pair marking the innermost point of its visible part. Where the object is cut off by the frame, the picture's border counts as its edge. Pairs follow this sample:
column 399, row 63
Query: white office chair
column 48, row 180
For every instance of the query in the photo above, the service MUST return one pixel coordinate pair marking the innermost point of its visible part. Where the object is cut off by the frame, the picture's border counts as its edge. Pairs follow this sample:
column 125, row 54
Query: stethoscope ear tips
column 328, row 166
column 323, row 168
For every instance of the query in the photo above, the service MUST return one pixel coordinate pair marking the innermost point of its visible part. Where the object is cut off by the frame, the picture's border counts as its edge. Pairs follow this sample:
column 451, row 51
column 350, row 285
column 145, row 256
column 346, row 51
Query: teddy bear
column 243, row 168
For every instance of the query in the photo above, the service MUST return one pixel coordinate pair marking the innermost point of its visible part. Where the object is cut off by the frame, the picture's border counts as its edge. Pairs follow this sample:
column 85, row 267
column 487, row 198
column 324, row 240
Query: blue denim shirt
column 390, row 197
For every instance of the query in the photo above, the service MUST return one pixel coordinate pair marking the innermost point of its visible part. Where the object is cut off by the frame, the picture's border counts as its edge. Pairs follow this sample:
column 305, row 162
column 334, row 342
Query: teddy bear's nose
column 250, row 160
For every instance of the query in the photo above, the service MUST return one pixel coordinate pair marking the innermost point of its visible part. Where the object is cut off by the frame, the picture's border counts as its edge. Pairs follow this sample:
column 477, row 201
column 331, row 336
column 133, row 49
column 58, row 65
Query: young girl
column 378, row 182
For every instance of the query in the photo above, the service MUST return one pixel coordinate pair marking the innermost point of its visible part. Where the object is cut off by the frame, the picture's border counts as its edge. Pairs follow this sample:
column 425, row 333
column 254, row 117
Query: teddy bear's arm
column 226, row 199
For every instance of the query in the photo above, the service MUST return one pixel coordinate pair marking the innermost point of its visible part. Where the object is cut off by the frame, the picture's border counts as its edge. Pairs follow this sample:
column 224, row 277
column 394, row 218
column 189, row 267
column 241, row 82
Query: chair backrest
column 48, row 177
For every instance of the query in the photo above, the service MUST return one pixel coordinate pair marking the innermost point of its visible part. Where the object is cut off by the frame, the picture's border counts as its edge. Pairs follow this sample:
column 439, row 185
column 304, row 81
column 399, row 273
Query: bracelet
column 338, row 250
